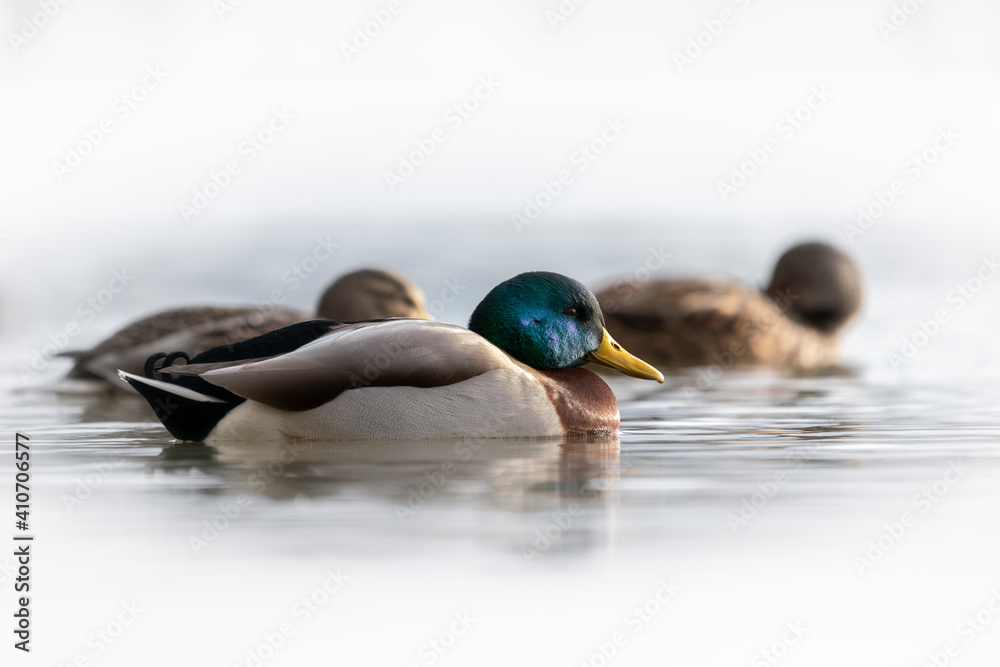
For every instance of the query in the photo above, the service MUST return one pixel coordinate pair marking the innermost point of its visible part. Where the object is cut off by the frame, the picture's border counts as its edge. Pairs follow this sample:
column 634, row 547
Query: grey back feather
column 400, row 352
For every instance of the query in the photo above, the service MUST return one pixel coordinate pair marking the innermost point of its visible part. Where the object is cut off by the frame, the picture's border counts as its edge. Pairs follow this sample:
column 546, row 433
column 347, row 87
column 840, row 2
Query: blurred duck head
column 820, row 285
column 372, row 294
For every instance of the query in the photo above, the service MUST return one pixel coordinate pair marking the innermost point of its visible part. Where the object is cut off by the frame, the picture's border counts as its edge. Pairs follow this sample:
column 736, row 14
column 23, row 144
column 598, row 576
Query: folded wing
column 400, row 352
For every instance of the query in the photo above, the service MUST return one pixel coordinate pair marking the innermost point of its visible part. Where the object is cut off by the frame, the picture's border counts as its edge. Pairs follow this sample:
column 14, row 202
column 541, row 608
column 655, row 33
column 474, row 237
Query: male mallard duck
column 814, row 292
column 512, row 373
column 361, row 295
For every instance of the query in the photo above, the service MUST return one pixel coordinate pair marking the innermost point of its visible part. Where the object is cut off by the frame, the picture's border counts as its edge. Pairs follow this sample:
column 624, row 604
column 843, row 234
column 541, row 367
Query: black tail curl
column 152, row 371
column 161, row 371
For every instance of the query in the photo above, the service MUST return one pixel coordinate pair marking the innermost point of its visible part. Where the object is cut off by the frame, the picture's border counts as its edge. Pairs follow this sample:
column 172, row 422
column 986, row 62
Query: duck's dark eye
column 571, row 311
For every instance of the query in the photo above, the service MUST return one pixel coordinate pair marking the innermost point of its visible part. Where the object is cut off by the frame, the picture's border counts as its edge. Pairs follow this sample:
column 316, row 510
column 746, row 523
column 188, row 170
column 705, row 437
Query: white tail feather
column 183, row 392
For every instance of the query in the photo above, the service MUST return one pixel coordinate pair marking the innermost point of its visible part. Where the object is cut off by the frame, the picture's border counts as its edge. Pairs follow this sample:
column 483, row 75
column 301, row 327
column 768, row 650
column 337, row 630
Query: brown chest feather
column 584, row 403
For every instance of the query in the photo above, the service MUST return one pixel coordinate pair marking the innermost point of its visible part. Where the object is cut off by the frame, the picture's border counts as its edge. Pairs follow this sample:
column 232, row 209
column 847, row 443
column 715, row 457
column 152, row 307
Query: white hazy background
column 227, row 68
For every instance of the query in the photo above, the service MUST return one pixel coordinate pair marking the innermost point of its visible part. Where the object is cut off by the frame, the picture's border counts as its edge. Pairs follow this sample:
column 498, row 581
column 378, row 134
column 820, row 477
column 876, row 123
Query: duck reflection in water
column 529, row 495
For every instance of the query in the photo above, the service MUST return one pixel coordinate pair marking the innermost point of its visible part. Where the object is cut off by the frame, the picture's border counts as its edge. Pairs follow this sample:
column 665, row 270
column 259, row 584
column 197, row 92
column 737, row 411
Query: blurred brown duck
column 814, row 292
column 367, row 294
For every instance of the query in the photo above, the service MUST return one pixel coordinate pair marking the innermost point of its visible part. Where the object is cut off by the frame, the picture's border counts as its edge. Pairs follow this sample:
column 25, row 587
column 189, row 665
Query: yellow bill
column 613, row 355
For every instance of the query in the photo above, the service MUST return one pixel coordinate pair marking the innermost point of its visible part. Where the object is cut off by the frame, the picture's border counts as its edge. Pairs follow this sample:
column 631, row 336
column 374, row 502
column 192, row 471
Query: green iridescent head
column 547, row 321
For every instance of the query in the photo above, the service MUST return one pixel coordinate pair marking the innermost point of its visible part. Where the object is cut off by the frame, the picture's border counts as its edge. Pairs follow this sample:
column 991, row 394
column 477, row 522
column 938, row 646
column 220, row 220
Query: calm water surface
column 755, row 503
